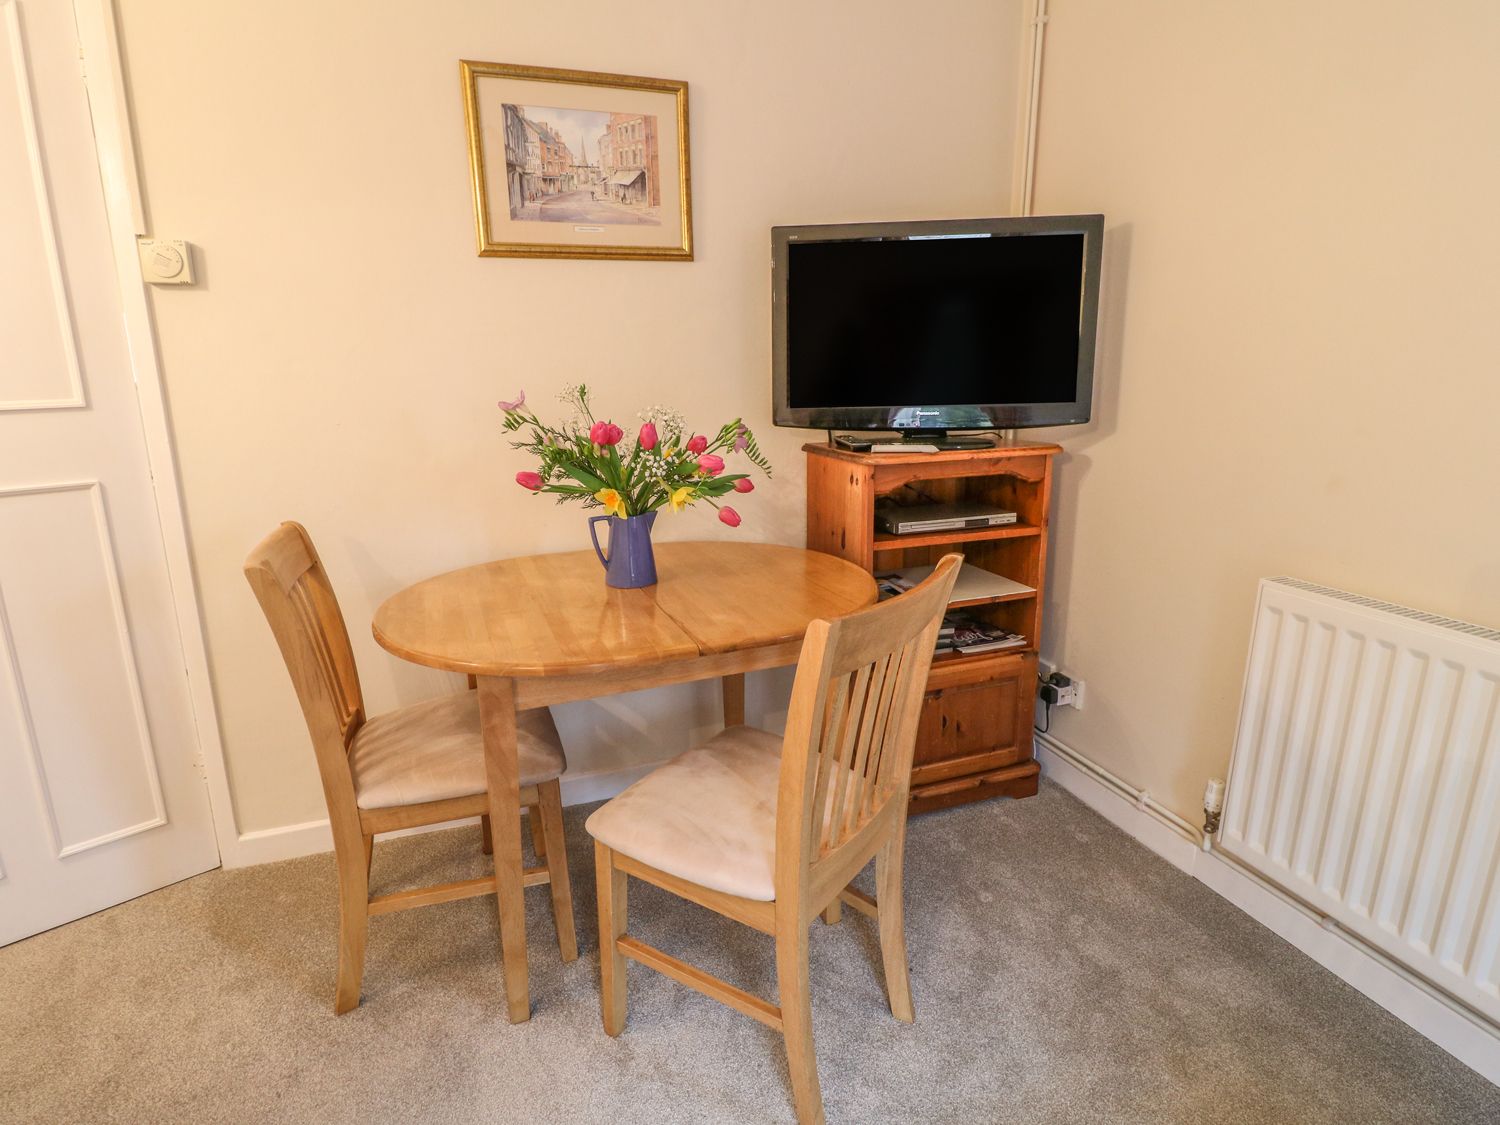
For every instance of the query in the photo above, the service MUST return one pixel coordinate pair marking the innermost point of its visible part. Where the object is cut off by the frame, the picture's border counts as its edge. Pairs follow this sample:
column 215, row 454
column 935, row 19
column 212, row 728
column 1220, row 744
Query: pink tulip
column 509, row 406
column 697, row 443
column 711, row 463
column 744, row 484
column 605, row 433
column 730, row 516
column 532, row 481
column 647, row 436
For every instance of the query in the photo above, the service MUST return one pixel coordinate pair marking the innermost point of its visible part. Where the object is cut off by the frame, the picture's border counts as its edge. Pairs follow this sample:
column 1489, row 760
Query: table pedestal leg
column 497, row 713
column 734, row 700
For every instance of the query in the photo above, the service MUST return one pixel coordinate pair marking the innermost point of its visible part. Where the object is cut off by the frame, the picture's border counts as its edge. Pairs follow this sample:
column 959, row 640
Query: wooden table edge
column 520, row 671
column 523, row 671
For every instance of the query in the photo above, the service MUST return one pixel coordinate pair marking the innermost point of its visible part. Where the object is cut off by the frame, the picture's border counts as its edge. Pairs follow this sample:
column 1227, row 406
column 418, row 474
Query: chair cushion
column 708, row 816
column 432, row 751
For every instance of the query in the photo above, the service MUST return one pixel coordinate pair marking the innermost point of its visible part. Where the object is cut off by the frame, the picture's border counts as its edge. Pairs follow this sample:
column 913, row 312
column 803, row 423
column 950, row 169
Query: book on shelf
column 966, row 635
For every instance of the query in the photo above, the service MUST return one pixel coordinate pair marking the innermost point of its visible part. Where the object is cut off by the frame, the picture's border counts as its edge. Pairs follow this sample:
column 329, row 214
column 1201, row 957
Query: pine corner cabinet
column 974, row 738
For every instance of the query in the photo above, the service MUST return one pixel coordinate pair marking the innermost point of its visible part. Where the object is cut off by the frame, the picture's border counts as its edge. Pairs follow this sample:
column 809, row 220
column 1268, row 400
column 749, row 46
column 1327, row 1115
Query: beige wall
column 1299, row 357
column 339, row 361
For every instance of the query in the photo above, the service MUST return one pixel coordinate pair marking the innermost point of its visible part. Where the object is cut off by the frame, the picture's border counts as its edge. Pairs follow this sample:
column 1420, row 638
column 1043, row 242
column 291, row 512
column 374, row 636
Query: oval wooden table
column 545, row 629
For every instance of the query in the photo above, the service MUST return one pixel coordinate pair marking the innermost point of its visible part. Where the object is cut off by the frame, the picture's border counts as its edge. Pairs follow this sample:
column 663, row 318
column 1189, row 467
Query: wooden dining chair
column 417, row 765
column 769, row 831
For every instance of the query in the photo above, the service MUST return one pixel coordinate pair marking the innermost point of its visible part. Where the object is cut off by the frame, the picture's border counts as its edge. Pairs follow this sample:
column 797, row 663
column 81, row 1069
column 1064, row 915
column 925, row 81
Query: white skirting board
column 289, row 841
column 1417, row 1005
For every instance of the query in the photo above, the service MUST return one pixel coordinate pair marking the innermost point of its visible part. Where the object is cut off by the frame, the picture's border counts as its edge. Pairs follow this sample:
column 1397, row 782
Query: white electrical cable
column 1033, row 107
column 1033, row 112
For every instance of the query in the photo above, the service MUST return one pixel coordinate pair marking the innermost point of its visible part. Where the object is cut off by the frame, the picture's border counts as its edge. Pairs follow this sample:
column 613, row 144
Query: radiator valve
column 1213, row 805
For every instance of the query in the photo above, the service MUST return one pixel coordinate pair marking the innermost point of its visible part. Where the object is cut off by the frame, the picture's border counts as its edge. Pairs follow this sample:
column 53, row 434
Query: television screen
column 967, row 326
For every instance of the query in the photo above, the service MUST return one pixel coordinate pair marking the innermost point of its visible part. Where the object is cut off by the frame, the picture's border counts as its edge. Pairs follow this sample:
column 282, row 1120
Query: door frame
column 114, row 146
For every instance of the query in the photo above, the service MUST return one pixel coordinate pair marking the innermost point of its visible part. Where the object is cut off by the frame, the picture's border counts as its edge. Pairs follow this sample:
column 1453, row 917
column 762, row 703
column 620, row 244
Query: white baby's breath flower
column 666, row 418
column 568, row 396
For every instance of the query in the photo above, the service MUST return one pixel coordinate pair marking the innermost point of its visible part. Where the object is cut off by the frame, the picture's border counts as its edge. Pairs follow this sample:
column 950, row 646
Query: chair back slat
column 851, row 729
column 869, row 704
column 298, row 600
column 872, row 740
column 831, row 728
column 323, row 624
column 880, row 773
column 853, row 688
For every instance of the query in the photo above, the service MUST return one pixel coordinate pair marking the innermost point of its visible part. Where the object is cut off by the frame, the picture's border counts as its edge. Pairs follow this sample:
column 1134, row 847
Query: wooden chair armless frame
column 845, row 776
column 295, row 594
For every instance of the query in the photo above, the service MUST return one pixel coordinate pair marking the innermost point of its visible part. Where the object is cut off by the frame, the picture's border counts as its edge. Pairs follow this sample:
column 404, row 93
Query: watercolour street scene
column 582, row 166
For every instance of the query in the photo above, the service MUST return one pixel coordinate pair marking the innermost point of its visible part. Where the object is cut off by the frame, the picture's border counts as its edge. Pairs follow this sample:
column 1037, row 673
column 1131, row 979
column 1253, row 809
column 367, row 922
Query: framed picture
column 573, row 164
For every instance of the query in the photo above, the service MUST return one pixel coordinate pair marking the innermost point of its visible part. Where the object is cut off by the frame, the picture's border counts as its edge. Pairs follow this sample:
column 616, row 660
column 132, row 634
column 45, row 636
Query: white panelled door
column 101, row 792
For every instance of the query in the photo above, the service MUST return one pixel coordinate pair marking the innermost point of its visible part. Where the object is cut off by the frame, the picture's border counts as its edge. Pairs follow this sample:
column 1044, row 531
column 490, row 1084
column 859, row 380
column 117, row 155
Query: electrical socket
column 1069, row 692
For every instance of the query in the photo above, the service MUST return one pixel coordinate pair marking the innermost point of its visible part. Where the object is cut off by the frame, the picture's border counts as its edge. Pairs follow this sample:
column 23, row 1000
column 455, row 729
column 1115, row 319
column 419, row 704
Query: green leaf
column 756, row 457
column 583, row 476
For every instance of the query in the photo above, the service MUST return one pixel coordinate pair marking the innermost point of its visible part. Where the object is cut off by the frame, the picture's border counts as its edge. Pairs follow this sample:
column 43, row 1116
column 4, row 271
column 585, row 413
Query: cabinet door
column 975, row 718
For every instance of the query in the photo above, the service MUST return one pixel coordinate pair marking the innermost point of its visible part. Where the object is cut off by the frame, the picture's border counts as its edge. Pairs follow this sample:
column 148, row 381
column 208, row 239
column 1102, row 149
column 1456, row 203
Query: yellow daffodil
column 671, row 451
column 613, row 502
column 680, row 497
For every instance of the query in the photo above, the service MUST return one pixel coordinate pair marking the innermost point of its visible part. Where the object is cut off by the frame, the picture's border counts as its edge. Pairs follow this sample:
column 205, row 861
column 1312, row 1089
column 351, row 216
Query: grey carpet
column 1061, row 972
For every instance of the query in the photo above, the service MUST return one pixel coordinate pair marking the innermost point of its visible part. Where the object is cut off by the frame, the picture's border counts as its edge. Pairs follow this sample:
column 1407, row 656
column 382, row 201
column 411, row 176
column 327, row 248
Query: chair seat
column 433, row 751
column 708, row 816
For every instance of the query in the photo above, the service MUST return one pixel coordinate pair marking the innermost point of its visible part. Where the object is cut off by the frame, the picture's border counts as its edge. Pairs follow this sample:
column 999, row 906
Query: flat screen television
column 926, row 327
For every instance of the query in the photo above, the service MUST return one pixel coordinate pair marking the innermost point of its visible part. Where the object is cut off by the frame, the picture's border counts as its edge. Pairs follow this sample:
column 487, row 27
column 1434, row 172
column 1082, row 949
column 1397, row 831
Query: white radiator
column 1365, row 779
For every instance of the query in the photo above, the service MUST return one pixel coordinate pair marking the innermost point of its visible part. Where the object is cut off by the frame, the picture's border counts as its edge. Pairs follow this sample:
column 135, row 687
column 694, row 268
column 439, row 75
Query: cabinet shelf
column 885, row 542
column 975, row 585
column 952, row 661
column 993, row 599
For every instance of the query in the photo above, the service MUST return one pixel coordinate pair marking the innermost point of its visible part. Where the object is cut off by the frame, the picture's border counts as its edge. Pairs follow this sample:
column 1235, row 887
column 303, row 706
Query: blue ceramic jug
column 630, row 563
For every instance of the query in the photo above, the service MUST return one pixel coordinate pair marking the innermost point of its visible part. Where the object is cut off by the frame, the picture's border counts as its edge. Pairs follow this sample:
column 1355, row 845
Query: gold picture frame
column 553, row 201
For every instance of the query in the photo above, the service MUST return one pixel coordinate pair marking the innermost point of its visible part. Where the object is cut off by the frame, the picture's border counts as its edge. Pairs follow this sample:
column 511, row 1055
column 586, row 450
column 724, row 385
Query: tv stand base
column 943, row 439
column 965, row 441
column 939, row 440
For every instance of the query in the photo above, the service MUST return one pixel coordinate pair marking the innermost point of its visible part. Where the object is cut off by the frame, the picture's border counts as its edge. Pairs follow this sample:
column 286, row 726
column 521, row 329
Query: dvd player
column 941, row 517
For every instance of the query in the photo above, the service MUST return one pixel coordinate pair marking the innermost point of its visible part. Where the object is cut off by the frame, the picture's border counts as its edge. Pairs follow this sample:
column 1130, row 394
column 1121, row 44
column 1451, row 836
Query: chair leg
column 538, row 833
column 796, row 1018
column 354, row 921
column 833, row 912
column 612, row 917
column 487, row 845
column 550, row 807
column 893, row 929
column 369, row 856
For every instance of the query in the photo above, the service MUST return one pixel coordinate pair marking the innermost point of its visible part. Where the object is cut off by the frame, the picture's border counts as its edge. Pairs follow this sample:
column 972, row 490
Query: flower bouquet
column 664, row 465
